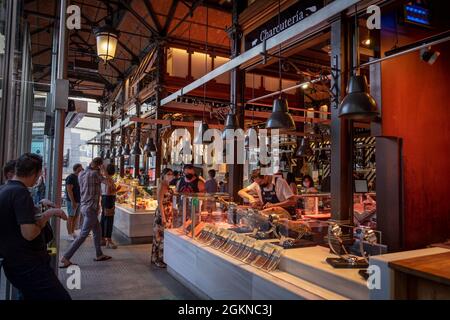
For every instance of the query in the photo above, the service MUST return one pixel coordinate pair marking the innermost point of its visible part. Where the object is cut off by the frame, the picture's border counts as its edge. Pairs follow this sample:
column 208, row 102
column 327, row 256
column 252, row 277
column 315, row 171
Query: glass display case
column 132, row 196
column 192, row 211
column 314, row 205
column 318, row 206
column 261, row 237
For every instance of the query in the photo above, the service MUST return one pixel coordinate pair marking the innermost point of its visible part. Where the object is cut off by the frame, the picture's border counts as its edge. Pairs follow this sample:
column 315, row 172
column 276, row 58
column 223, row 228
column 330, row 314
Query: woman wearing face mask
column 190, row 183
column 308, row 186
column 163, row 217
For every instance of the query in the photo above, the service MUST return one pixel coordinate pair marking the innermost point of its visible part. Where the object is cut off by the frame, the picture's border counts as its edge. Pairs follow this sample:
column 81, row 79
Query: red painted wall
column 416, row 107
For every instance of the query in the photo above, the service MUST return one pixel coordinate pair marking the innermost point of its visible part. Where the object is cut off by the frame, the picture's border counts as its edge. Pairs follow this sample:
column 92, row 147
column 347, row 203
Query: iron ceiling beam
column 153, row 15
column 170, row 15
column 138, row 17
column 188, row 14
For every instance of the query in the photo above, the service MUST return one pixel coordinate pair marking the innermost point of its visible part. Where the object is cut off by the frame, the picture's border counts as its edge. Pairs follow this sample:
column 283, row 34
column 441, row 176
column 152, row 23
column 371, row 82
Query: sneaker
column 111, row 245
column 70, row 237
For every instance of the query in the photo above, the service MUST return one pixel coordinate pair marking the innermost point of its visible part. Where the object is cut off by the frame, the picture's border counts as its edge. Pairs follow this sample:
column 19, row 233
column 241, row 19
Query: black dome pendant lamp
column 280, row 117
column 358, row 104
column 231, row 122
column 198, row 139
column 204, row 127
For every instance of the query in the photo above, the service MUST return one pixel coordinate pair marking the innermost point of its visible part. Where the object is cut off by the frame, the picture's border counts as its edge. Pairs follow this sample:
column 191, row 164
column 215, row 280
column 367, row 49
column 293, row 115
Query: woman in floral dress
column 163, row 217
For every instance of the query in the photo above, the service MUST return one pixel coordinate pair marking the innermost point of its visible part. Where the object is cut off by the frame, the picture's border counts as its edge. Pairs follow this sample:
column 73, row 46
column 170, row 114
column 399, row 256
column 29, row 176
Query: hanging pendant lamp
column 231, row 123
column 199, row 137
column 304, row 149
column 136, row 149
column 114, row 152
column 108, row 154
column 280, row 117
column 252, row 135
column 126, row 150
column 106, row 38
column 102, row 154
column 150, row 147
column 358, row 104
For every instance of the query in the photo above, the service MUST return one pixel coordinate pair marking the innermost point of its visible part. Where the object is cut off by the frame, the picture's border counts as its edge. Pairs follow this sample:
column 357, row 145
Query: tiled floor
column 128, row 275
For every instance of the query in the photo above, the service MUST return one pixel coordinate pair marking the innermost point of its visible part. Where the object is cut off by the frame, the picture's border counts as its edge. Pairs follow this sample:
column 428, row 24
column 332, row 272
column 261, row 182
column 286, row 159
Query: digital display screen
column 417, row 15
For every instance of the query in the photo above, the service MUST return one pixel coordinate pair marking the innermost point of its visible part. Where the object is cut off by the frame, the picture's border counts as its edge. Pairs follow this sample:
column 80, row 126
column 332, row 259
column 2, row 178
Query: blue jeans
column 90, row 222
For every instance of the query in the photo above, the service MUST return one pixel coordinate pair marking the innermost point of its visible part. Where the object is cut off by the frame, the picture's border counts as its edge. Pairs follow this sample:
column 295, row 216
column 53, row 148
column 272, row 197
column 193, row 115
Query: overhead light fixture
column 114, row 152
column 126, row 150
column 366, row 42
column 252, row 136
column 150, row 147
column 231, row 123
column 428, row 55
column 280, row 117
column 199, row 137
column 108, row 154
column 106, row 38
column 304, row 149
column 358, row 104
column 119, row 151
column 102, row 154
column 136, row 149
column 305, row 85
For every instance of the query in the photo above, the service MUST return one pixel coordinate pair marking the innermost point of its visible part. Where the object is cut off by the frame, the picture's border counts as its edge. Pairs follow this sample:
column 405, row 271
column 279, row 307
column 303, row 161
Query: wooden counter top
column 435, row 267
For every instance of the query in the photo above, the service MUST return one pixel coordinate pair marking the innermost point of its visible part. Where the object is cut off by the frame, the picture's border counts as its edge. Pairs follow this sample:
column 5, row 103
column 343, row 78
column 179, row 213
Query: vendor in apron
column 269, row 191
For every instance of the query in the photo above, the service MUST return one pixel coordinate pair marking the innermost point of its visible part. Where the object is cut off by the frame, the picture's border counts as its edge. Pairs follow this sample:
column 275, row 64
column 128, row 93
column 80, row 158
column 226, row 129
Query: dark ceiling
column 140, row 24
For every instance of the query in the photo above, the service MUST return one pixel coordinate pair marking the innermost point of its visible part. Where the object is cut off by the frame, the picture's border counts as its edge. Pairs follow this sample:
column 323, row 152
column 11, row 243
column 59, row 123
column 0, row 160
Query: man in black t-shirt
column 22, row 243
column 73, row 200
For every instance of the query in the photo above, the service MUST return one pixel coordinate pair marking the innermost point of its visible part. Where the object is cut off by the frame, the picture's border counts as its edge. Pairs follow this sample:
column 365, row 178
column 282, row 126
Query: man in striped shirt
column 90, row 181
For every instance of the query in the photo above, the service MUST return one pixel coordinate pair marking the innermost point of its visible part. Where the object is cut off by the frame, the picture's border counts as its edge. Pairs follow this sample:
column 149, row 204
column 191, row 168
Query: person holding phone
column 23, row 236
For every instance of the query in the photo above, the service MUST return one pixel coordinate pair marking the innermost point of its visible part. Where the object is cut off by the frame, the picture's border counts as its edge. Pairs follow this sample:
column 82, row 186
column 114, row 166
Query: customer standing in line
column 108, row 206
column 73, row 199
column 163, row 217
column 22, row 240
column 90, row 190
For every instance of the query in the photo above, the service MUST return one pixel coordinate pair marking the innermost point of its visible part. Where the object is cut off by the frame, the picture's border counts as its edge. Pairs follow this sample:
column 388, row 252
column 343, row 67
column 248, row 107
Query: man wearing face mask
column 190, row 183
column 271, row 191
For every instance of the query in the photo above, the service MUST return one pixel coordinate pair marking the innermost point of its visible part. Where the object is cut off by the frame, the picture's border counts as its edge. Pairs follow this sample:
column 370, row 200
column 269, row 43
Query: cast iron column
column 341, row 133
column 138, row 140
column 7, row 99
column 122, row 144
column 237, row 87
column 159, row 95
